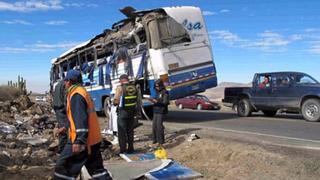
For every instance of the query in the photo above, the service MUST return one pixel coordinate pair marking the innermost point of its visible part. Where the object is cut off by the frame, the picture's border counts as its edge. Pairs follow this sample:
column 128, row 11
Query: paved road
column 291, row 130
column 281, row 125
column 284, row 130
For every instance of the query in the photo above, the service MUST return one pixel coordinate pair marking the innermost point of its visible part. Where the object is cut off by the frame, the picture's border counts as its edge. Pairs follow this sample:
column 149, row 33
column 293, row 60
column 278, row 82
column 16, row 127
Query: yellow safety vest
column 129, row 95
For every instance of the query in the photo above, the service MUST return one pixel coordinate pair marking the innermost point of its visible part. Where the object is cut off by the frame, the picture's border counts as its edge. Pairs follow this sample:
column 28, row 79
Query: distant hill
column 217, row 93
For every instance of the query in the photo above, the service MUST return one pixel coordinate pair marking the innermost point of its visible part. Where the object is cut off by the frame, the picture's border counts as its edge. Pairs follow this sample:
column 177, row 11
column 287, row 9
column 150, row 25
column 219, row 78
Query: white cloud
column 12, row 50
column 225, row 36
column 208, row 13
column 296, row 37
column 310, row 30
column 77, row 5
column 31, row 5
column 16, row 21
column 224, row 10
column 56, row 22
column 92, row 5
column 40, row 5
column 39, row 47
column 73, row 4
column 270, row 39
column 315, row 48
column 266, row 41
column 61, row 45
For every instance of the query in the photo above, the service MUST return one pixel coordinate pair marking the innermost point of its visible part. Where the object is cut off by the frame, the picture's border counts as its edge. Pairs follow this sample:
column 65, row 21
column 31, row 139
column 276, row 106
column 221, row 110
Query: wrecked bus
column 170, row 43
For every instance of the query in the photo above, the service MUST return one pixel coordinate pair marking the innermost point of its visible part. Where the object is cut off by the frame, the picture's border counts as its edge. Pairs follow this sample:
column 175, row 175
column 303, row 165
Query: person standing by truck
column 160, row 108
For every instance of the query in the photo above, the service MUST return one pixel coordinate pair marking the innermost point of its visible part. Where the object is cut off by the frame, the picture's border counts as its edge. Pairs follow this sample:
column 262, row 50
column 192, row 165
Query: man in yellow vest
column 126, row 100
column 83, row 147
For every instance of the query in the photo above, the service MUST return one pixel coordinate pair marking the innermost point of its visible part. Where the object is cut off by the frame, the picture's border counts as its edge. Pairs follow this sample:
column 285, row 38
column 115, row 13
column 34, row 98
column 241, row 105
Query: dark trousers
column 63, row 139
column 69, row 165
column 157, row 128
column 125, row 131
column 62, row 122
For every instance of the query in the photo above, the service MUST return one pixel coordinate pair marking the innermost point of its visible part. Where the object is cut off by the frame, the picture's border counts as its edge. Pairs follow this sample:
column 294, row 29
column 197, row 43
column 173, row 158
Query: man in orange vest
column 83, row 147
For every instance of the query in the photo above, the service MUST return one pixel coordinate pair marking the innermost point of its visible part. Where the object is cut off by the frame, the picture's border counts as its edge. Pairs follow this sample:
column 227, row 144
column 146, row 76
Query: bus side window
column 166, row 32
column 171, row 32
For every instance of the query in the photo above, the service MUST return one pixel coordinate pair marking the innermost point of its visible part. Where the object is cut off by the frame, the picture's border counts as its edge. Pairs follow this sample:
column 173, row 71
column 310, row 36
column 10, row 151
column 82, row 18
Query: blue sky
column 247, row 36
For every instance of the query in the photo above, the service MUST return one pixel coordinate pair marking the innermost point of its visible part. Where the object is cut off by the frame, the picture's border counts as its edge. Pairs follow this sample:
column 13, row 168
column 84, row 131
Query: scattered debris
column 54, row 146
column 25, row 133
column 6, row 128
column 193, row 137
column 6, row 153
column 34, row 141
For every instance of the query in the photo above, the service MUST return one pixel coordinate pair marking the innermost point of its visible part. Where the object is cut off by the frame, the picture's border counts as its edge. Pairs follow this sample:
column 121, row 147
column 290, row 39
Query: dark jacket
column 59, row 96
column 80, row 116
column 59, row 104
column 161, row 106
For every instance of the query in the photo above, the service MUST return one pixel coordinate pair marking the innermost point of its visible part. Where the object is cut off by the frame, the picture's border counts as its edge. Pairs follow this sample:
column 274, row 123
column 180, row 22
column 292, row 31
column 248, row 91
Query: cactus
column 21, row 85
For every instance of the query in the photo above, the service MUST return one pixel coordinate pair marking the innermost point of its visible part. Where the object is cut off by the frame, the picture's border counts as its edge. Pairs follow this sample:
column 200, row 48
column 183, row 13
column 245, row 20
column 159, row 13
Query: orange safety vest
column 94, row 135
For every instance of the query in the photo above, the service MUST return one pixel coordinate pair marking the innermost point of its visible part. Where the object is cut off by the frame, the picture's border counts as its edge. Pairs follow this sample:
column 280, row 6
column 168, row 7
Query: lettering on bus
column 192, row 26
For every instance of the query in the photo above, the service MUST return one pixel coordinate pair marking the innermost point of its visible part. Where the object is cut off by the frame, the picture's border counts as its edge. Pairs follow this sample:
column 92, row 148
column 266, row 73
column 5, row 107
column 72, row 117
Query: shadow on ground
column 194, row 116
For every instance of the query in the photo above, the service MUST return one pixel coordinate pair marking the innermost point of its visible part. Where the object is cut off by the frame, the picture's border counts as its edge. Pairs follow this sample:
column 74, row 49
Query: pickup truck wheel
column 311, row 110
column 199, row 107
column 180, row 106
column 244, row 108
column 269, row 113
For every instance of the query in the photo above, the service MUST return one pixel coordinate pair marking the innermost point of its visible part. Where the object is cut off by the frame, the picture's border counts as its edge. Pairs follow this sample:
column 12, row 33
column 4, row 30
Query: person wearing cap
column 83, row 147
column 59, row 106
column 126, row 100
column 160, row 108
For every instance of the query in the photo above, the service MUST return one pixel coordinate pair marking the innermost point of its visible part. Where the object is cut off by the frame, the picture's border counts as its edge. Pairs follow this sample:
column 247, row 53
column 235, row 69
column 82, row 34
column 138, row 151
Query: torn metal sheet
column 138, row 157
column 173, row 171
column 134, row 169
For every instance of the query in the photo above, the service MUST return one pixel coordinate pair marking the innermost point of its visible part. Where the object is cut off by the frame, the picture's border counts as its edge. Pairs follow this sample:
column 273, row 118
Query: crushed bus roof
column 116, row 26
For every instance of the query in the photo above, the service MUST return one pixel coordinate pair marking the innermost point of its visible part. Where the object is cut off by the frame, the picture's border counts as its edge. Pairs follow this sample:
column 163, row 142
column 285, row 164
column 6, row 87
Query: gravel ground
column 214, row 157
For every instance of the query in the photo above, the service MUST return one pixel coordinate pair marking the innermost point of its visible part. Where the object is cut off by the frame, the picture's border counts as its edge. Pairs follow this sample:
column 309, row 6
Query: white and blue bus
column 170, row 43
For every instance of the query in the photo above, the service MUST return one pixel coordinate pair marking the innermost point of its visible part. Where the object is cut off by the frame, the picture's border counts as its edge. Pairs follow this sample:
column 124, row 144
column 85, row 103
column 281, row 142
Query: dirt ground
column 214, row 158
column 218, row 158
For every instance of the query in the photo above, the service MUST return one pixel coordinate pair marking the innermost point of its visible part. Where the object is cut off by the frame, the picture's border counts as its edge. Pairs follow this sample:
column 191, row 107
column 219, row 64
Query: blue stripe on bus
column 196, row 87
column 191, row 74
column 97, row 97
